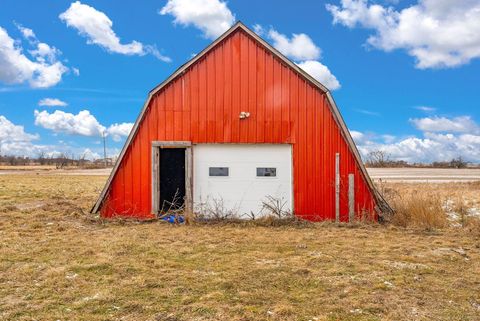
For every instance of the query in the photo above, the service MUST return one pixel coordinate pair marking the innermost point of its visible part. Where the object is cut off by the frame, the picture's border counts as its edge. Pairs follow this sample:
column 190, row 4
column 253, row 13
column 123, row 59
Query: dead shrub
column 418, row 209
column 276, row 207
column 215, row 210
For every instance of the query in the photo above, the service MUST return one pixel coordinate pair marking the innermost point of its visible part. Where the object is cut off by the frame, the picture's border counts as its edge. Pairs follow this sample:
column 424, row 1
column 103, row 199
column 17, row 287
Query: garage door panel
column 242, row 191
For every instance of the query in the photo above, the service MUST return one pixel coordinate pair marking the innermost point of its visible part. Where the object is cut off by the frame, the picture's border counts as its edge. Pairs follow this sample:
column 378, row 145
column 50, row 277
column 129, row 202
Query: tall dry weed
column 418, row 209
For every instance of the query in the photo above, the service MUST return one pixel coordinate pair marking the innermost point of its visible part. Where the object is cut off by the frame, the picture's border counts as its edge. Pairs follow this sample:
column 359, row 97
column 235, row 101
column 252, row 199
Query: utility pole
column 104, row 148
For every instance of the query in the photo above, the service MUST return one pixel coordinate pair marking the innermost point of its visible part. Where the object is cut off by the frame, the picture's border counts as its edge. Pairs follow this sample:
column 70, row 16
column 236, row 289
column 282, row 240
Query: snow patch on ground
column 451, row 208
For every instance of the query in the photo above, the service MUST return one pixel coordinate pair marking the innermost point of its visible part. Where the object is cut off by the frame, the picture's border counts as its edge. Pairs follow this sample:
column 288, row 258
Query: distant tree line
column 381, row 158
column 377, row 158
column 60, row 160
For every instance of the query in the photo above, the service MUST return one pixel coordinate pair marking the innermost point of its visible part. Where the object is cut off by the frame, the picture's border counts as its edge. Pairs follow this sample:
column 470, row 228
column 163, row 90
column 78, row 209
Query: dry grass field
column 27, row 167
column 57, row 262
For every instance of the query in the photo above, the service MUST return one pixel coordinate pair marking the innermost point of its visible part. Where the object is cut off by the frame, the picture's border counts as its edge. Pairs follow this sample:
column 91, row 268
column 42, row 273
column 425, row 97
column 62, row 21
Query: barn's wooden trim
column 171, row 144
column 239, row 25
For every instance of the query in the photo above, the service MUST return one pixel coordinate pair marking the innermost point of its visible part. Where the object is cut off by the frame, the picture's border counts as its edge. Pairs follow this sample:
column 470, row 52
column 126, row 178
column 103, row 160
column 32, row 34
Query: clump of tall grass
column 418, row 209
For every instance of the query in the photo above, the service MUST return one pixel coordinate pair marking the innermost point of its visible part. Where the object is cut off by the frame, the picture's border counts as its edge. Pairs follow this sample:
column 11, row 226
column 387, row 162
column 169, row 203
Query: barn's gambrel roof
column 239, row 25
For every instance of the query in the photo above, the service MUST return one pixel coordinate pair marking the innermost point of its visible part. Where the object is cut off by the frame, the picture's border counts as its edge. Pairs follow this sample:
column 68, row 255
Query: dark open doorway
column 172, row 178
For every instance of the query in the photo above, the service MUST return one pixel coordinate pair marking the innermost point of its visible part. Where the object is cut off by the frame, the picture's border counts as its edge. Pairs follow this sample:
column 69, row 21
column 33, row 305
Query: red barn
column 236, row 126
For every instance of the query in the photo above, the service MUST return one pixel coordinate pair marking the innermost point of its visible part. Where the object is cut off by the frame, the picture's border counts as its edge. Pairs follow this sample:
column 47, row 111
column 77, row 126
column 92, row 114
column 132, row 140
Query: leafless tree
column 378, row 158
column 458, row 163
column 61, row 161
column 42, row 160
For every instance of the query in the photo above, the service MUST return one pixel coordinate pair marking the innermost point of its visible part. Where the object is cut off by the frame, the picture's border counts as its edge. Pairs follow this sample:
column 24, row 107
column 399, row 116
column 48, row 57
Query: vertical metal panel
column 219, row 92
column 235, row 108
column 128, row 197
column 300, row 169
column 119, row 192
column 136, row 165
column 203, row 105
column 211, row 89
column 252, row 90
column 145, row 158
column 260, row 112
column 285, row 125
column 309, row 151
column 269, row 85
column 243, row 138
column 195, row 108
column 227, row 90
column 277, row 101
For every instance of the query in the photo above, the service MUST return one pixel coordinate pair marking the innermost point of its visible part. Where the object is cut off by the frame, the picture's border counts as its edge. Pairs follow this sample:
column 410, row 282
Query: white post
column 351, row 197
column 337, row 187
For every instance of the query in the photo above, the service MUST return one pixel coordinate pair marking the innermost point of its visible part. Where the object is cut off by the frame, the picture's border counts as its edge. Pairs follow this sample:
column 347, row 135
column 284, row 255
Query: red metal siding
column 202, row 105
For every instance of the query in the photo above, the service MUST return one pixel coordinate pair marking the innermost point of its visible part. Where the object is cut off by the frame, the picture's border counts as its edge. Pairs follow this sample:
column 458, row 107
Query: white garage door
column 239, row 178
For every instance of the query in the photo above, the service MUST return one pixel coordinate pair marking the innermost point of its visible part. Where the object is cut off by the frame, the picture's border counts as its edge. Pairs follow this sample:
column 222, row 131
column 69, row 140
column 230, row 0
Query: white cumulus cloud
column 27, row 32
column 298, row 47
column 442, row 140
column 358, row 137
column 212, row 17
column 9, row 132
column 118, row 131
column 306, row 54
column 42, row 70
column 321, row 73
column 463, row 124
column 14, row 140
column 52, row 102
column 438, row 33
column 82, row 124
column 96, row 26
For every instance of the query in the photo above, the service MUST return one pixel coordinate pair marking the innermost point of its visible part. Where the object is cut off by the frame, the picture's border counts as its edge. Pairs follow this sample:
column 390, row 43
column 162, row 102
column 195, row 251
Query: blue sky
column 405, row 74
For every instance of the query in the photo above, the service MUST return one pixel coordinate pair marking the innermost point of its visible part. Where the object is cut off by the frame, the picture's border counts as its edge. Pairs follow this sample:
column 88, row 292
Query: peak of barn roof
column 240, row 26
